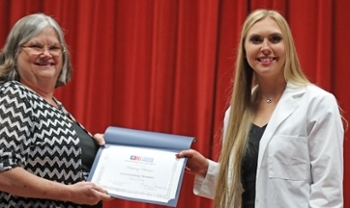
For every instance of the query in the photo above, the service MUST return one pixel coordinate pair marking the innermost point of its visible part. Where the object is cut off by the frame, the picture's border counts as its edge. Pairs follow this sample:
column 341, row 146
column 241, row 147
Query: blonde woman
column 283, row 136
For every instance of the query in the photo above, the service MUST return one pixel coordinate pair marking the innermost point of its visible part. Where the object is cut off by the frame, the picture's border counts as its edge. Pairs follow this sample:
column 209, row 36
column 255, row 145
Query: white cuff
column 206, row 187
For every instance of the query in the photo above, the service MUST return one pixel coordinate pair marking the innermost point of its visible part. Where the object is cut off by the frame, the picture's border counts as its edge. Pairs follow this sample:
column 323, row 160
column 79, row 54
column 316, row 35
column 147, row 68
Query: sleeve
column 14, row 128
column 326, row 153
column 206, row 187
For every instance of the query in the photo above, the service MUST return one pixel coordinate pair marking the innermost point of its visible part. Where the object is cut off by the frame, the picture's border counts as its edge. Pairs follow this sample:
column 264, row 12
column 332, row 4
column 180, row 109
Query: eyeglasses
column 37, row 49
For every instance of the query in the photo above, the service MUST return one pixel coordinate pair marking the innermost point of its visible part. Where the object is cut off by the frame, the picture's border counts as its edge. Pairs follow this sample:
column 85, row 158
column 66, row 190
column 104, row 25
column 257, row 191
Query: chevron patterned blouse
column 37, row 137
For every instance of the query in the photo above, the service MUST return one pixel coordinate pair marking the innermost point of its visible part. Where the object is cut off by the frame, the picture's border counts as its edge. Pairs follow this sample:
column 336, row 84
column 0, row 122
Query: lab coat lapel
column 285, row 107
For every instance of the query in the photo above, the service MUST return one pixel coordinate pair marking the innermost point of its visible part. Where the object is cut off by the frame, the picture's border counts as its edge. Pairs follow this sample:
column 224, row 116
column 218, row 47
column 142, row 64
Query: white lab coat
column 300, row 162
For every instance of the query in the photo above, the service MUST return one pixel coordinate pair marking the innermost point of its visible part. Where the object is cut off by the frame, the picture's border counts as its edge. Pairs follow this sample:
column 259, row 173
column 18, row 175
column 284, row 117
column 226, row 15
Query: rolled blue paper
column 140, row 138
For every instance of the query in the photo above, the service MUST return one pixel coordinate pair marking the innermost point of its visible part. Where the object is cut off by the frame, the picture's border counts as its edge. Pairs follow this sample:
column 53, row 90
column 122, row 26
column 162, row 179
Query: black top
column 89, row 149
column 249, row 165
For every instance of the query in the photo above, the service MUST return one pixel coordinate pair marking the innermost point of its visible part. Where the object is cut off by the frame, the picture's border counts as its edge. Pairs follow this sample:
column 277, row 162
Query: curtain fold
column 167, row 65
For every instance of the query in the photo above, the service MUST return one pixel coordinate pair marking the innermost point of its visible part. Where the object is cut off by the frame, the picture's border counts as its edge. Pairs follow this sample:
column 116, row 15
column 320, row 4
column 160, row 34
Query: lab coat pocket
column 288, row 158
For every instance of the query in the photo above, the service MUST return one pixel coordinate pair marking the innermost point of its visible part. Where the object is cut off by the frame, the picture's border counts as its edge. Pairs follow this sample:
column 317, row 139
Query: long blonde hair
column 229, row 188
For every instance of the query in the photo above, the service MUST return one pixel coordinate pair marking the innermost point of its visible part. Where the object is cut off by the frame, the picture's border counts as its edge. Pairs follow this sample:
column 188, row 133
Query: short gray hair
column 25, row 29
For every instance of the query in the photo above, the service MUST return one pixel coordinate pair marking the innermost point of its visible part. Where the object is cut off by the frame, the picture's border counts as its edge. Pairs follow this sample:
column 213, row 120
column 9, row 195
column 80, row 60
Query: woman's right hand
column 88, row 193
column 196, row 162
column 20, row 182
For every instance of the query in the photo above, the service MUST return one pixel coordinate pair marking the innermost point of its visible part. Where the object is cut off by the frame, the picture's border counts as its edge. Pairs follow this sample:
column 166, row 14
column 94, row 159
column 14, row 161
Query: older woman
column 45, row 155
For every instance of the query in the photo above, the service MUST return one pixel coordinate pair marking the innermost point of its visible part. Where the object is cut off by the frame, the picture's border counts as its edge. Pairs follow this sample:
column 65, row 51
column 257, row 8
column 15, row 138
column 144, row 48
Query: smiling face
column 40, row 69
column 265, row 49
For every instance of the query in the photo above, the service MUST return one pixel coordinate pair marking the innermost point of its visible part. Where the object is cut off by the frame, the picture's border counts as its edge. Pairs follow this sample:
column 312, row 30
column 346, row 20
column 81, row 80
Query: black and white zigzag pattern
column 37, row 137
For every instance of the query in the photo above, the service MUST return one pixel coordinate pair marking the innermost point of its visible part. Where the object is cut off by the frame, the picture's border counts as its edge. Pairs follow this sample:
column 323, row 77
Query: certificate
column 141, row 166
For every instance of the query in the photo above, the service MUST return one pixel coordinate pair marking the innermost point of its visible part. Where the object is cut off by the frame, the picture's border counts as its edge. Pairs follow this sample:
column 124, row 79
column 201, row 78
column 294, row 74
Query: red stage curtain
column 167, row 65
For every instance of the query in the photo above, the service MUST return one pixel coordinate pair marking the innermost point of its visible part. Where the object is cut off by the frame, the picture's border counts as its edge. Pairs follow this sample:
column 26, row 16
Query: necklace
column 268, row 100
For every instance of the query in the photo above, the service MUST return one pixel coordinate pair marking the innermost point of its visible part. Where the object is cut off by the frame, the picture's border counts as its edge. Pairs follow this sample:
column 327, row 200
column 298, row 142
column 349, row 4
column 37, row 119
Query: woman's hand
column 20, row 182
column 99, row 139
column 87, row 193
column 196, row 162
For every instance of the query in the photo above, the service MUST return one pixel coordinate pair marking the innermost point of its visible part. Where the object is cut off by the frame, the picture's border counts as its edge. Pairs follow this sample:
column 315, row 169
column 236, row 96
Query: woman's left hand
column 99, row 139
